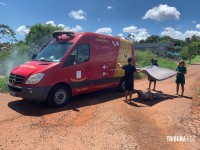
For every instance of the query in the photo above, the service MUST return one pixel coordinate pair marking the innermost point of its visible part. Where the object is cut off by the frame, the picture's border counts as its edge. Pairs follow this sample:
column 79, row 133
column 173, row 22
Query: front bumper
column 30, row 93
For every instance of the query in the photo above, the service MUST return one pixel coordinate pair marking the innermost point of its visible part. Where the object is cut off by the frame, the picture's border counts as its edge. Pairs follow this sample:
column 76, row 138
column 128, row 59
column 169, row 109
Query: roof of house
column 152, row 45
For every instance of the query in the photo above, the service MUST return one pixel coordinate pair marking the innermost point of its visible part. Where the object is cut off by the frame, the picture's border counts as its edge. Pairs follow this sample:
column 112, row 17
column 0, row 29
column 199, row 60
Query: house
column 161, row 49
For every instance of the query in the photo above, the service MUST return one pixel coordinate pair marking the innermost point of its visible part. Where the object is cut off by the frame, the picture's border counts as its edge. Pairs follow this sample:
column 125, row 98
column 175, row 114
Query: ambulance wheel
column 121, row 86
column 59, row 96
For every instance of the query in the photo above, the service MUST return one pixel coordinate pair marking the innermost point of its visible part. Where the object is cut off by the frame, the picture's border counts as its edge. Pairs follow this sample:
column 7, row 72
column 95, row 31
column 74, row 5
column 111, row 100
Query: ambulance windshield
column 54, row 51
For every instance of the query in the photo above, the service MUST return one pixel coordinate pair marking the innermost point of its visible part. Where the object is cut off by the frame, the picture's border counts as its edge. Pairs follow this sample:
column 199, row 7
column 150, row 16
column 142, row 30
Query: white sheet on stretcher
column 157, row 72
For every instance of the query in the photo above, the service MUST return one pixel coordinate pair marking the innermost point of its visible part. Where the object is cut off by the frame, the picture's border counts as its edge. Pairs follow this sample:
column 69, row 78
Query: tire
column 59, row 96
column 121, row 86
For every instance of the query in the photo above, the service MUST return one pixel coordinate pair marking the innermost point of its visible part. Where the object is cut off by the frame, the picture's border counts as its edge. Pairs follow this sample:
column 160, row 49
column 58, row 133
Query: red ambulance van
column 71, row 64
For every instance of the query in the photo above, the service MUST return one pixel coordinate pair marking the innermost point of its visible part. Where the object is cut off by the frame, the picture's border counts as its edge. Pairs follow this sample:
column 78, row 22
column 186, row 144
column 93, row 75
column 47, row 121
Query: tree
column 176, row 42
column 152, row 39
column 142, row 41
column 190, row 51
column 195, row 38
column 188, row 40
column 166, row 39
column 40, row 34
column 21, row 46
column 131, row 37
column 6, row 32
column 177, row 48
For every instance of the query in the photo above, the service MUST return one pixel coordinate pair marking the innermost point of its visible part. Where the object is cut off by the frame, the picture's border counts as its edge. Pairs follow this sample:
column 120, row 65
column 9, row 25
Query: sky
column 178, row 19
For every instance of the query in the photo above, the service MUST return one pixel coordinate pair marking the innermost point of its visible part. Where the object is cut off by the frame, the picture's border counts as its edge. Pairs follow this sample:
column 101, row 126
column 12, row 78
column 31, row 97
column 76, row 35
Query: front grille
column 12, row 88
column 16, row 79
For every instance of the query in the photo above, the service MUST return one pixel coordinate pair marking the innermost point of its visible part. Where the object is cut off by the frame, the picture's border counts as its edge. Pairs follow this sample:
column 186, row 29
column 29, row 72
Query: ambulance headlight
column 35, row 78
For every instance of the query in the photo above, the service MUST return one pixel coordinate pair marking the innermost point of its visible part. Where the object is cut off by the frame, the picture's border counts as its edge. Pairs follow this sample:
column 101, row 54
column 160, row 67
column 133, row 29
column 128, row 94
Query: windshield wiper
column 45, row 60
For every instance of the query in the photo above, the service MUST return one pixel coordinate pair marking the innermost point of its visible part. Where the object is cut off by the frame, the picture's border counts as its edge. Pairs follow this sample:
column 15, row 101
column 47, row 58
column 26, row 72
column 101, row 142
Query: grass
column 198, row 90
column 195, row 60
column 143, row 59
column 4, row 84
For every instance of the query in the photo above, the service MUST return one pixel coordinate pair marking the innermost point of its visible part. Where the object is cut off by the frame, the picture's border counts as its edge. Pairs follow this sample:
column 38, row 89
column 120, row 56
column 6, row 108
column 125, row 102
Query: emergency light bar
column 58, row 34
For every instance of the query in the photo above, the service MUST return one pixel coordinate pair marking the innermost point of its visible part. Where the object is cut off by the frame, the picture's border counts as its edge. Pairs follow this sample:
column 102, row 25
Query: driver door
column 78, row 69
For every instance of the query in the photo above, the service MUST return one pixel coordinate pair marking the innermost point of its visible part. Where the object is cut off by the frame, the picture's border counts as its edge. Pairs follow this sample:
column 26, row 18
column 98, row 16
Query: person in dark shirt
column 129, row 79
column 155, row 62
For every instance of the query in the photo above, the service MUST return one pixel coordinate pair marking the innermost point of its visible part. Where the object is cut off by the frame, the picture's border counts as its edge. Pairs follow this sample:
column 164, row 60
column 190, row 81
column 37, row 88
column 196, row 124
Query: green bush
column 4, row 84
column 140, row 75
column 4, row 54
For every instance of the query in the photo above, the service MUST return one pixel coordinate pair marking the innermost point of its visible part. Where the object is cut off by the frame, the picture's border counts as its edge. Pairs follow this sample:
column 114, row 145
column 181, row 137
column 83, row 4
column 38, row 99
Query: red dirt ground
column 102, row 120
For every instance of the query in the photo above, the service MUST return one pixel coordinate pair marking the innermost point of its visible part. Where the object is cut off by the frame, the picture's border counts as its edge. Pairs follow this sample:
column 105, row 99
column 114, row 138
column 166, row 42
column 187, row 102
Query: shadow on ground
column 156, row 101
column 32, row 108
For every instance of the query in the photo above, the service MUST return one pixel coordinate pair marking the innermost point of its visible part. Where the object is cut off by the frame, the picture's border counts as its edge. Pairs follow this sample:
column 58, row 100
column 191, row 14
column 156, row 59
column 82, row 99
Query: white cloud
column 78, row 15
column 61, row 25
column 75, row 29
column 106, row 30
column 1, row 3
column 121, row 35
column 139, row 33
column 129, row 29
column 23, row 30
column 109, row 7
column 169, row 31
column 162, row 12
column 51, row 23
column 190, row 33
column 198, row 26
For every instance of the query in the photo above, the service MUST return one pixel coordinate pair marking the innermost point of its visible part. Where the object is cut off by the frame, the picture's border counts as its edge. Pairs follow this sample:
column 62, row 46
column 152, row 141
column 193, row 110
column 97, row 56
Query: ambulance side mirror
column 33, row 56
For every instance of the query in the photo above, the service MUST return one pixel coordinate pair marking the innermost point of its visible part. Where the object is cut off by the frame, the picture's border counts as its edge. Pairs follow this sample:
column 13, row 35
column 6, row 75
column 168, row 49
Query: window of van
column 53, row 51
column 79, row 55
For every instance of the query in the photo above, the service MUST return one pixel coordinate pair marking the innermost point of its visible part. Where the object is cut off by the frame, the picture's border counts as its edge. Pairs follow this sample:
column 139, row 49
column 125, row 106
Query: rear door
column 103, row 65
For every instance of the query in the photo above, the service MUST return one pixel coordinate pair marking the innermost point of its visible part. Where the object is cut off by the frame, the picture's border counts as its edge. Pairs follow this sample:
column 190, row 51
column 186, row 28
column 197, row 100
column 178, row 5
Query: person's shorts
column 129, row 85
column 180, row 80
column 150, row 78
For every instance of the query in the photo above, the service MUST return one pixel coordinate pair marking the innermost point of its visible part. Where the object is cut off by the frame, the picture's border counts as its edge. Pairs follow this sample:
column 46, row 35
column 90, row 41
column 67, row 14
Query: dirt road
column 102, row 120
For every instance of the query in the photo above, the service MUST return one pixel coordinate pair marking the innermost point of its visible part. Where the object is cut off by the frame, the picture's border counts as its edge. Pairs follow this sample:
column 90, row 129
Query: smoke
column 19, row 53
column 15, row 58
